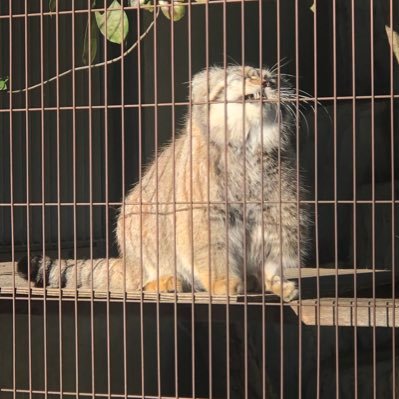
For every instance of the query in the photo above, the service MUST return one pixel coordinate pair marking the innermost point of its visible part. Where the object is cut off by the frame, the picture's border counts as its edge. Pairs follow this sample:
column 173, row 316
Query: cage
column 94, row 93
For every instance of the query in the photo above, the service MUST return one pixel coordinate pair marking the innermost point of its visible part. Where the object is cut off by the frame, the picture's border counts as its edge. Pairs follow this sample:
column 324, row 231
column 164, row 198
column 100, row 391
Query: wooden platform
column 349, row 312
column 329, row 296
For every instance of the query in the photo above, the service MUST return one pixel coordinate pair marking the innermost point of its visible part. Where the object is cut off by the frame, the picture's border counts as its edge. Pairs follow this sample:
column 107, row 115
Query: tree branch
column 100, row 64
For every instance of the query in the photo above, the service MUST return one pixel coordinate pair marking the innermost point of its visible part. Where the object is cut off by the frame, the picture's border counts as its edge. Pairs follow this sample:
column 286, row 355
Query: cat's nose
column 265, row 82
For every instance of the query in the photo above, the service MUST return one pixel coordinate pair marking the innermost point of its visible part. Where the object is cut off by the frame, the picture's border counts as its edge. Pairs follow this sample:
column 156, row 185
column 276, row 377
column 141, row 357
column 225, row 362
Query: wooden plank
column 22, row 289
column 348, row 312
column 7, row 276
column 312, row 281
column 329, row 282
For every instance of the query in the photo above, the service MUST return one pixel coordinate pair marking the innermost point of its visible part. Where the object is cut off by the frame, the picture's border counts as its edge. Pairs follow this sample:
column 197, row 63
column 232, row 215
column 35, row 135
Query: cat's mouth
column 255, row 96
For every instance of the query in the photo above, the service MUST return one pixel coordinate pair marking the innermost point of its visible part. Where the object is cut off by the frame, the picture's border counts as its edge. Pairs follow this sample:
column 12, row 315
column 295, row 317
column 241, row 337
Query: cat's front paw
column 283, row 288
column 166, row 284
column 232, row 286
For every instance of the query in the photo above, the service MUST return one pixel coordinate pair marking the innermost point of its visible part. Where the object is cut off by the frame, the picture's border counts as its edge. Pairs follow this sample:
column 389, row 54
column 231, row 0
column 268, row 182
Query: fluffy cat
column 196, row 217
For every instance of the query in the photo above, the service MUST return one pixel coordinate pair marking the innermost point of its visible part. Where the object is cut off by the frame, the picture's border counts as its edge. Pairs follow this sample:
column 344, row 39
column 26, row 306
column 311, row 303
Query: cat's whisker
column 233, row 61
column 313, row 100
column 279, row 64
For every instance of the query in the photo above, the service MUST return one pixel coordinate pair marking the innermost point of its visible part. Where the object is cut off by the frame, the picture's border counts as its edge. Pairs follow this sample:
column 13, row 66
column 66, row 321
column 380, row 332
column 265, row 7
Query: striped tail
column 66, row 273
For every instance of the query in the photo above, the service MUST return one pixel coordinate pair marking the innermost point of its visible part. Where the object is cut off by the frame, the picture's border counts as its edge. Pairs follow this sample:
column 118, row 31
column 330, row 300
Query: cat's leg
column 209, row 270
column 123, row 274
column 168, row 283
column 151, row 246
column 217, row 284
column 233, row 285
column 205, row 258
column 275, row 256
column 276, row 282
column 159, row 275
column 226, row 259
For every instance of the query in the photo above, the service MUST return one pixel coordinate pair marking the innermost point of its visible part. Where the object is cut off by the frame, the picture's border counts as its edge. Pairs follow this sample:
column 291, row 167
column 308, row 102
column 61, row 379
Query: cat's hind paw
column 232, row 286
column 166, row 284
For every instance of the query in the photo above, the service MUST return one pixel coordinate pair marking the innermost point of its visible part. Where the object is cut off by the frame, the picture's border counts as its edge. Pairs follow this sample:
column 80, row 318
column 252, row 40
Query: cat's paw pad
column 233, row 285
column 283, row 288
column 166, row 284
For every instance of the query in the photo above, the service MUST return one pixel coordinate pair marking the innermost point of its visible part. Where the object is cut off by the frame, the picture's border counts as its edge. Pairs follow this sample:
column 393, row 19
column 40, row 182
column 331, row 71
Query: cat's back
column 180, row 173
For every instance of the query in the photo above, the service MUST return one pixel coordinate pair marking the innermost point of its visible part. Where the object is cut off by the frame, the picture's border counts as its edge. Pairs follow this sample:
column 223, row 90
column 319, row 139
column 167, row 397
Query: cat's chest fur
column 249, row 173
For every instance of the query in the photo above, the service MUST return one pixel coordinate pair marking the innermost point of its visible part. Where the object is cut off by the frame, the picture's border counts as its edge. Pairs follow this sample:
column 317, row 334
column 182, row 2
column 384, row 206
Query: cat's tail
column 66, row 273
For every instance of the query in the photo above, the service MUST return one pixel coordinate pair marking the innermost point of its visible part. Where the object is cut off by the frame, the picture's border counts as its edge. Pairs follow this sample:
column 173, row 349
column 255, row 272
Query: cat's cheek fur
column 235, row 123
column 270, row 133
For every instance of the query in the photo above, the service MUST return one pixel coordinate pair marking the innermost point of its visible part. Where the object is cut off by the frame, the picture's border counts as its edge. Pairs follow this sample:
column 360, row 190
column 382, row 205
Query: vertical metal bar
column 210, row 332
column 124, row 318
column 393, row 227
column 43, row 199
column 298, row 203
column 108, row 344
column 244, row 205
column 158, row 332
column 27, row 191
column 262, row 201
column 334, row 22
column 354, row 165
column 75, row 255
column 90, row 110
column 140, row 126
column 11, row 152
column 280, row 235
column 57, row 85
column 226, row 193
column 193, row 334
column 373, row 225
column 316, row 195
column 173, row 100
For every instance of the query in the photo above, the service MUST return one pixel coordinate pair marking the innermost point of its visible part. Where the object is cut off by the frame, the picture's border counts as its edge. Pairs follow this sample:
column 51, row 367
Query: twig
column 82, row 68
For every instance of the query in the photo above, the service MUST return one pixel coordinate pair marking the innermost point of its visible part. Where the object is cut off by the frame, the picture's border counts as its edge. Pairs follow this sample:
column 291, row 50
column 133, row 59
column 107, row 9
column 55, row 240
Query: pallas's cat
column 217, row 205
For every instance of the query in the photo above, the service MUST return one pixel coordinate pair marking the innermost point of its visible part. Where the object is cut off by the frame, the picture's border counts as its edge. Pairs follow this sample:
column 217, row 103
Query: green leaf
column 144, row 4
column 3, row 83
column 137, row 3
column 113, row 23
column 93, row 42
column 148, row 6
column 178, row 10
column 393, row 39
column 52, row 5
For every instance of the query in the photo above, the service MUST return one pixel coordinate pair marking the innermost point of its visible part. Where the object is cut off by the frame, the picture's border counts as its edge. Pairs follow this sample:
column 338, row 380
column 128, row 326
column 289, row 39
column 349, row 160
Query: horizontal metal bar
column 309, row 100
column 117, row 204
column 91, row 394
column 127, row 8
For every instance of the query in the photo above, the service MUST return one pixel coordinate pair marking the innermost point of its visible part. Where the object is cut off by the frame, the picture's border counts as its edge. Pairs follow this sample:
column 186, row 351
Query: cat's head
column 239, row 103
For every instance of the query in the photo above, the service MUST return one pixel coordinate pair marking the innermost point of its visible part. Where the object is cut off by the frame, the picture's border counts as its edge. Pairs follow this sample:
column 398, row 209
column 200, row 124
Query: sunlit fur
column 196, row 218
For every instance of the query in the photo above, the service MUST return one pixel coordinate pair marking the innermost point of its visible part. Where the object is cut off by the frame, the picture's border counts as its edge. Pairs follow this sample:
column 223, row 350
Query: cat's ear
column 207, row 86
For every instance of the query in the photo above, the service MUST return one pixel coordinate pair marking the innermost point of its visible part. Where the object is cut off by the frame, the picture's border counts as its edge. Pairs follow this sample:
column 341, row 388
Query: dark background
column 114, row 137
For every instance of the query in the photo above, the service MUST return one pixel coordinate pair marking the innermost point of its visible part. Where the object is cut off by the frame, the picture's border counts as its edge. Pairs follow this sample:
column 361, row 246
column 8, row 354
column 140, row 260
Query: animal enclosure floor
column 328, row 297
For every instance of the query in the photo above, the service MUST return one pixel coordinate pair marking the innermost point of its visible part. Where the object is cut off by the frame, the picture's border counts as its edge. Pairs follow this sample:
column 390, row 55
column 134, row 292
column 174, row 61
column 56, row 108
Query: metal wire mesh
column 93, row 94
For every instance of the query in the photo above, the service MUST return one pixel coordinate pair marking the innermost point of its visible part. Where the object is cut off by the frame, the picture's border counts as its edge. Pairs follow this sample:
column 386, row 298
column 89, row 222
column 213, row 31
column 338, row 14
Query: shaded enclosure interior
column 109, row 137
column 186, row 353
